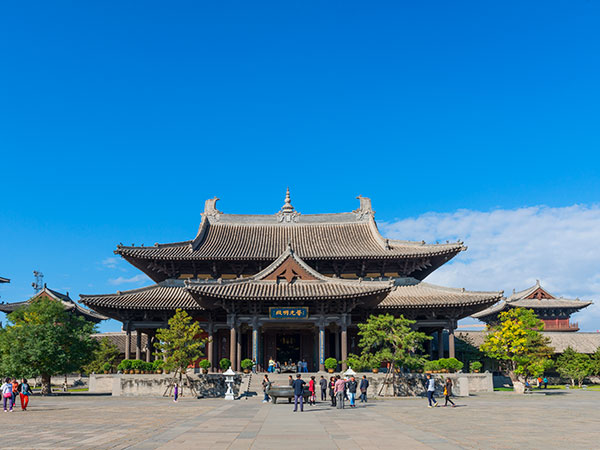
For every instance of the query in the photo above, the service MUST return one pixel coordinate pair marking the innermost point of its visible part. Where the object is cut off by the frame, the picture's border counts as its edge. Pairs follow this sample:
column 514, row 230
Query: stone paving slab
column 500, row 420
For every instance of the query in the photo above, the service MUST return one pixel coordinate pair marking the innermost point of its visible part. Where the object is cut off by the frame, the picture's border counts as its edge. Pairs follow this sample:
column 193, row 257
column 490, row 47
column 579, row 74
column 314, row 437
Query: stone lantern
column 349, row 373
column 229, row 374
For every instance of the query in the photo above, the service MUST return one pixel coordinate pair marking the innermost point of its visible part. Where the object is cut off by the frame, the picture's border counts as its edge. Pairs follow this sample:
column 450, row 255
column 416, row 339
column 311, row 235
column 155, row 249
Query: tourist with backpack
column 24, row 393
column 7, row 394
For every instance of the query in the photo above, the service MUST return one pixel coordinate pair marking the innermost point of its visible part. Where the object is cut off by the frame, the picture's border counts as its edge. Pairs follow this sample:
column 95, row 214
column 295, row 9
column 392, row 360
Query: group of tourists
column 430, row 385
column 10, row 389
column 340, row 390
column 290, row 366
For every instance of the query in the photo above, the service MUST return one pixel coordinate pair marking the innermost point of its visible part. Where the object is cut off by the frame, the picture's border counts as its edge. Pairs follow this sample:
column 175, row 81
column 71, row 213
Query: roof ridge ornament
column 287, row 213
column 210, row 207
column 365, row 209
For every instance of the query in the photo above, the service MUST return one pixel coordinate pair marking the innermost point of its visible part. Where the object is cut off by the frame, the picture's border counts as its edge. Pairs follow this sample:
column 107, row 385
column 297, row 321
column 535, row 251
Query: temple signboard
column 288, row 312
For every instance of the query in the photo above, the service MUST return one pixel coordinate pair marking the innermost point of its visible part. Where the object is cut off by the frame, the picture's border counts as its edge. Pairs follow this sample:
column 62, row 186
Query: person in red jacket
column 311, row 389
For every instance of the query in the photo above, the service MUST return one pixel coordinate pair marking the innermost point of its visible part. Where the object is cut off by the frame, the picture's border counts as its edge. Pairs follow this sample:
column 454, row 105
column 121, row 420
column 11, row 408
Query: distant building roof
column 580, row 341
column 534, row 297
column 67, row 302
column 119, row 338
column 4, row 280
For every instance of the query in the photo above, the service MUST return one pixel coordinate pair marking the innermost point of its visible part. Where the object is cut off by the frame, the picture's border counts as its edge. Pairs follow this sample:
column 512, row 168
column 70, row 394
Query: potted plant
column 224, row 364
column 124, row 366
column 453, row 365
column 475, row 366
column 431, row 366
column 204, row 365
column 246, row 365
column 136, row 366
column 331, row 364
column 106, row 367
column 158, row 365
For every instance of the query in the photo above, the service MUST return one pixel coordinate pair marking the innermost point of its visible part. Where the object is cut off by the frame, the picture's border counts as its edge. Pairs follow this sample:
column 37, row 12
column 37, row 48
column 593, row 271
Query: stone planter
column 375, row 370
column 330, row 370
column 204, row 371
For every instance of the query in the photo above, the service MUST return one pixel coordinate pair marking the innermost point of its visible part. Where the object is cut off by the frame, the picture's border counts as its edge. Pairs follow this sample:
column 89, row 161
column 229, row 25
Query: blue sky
column 118, row 120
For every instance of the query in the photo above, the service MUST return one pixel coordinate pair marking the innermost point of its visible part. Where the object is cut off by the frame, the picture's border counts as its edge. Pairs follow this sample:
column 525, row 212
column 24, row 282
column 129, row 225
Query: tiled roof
column 520, row 300
column 303, row 282
column 119, row 339
column 351, row 235
column 166, row 295
column 425, row 295
column 578, row 341
column 67, row 302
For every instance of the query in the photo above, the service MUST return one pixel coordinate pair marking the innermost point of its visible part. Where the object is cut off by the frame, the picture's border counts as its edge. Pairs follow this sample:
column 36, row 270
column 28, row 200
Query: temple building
column 64, row 299
column 554, row 312
column 288, row 286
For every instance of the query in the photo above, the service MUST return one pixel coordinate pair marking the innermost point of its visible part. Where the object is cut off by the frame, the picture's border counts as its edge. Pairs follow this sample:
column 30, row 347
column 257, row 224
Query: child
column 448, row 392
column 7, row 394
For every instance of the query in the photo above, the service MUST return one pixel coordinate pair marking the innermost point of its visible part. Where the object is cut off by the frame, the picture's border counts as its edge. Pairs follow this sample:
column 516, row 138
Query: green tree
column 107, row 352
column 595, row 359
column 518, row 344
column 388, row 338
column 180, row 344
column 43, row 339
column 575, row 366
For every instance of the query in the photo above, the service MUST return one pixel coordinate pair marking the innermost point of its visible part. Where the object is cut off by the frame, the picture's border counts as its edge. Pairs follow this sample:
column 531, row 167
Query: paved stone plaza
column 499, row 420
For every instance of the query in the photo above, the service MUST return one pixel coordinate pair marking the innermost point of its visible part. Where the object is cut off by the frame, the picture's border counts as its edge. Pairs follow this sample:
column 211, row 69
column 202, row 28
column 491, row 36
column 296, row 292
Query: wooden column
column 148, row 347
column 232, row 347
column 210, row 348
column 138, row 344
column 238, row 354
column 451, row 351
column 128, row 344
column 440, row 336
column 337, row 344
column 344, row 338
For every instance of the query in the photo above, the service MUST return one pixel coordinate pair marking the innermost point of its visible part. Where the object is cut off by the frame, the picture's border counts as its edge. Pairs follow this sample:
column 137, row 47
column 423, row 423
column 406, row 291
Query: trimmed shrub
column 204, row 364
column 224, row 364
column 475, row 366
column 159, row 364
column 124, row 365
column 246, row 364
column 331, row 363
column 107, row 367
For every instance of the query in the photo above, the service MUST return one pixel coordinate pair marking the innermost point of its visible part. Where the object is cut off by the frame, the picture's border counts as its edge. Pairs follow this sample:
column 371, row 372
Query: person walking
column 175, row 392
column 24, row 393
column 298, row 386
column 364, row 385
column 290, row 383
column 352, row 385
column 323, row 385
column 340, row 386
column 7, row 394
column 15, row 392
column 545, row 383
column 430, row 391
column 332, row 390
column 266, row 385
column 253, row 365
column 271, row 367
column 312, row 387
column 448, row 392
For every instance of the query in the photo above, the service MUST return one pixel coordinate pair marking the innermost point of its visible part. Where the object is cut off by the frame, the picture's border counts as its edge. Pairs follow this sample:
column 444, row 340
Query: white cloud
column 111, row 262
column 134, row 279
column 512, row 248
